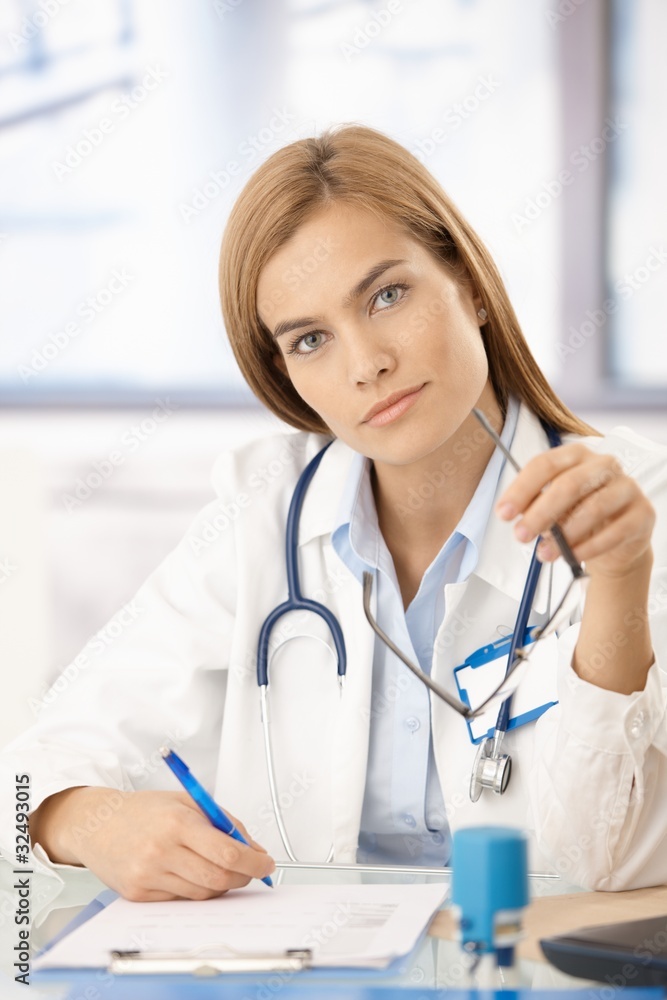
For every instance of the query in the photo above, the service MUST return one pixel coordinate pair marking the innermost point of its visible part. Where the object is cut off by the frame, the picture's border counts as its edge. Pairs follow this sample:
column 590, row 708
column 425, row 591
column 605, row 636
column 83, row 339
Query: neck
column 420, row 504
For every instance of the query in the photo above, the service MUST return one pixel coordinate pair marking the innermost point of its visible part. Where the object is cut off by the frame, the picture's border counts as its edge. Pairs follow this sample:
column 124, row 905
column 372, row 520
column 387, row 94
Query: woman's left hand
column 605, row 517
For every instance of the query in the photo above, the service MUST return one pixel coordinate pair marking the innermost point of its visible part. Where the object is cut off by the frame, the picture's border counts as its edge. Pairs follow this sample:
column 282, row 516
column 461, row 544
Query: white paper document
column 343, row 925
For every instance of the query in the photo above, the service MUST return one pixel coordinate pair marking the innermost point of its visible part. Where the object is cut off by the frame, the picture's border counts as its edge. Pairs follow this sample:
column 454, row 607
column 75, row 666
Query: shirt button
column 437, row 838
column 412, row 723
column 637, row 726
column 410, row 820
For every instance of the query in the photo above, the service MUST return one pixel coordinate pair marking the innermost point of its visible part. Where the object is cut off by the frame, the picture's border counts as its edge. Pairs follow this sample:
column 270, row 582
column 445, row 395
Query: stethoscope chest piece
column 490, row 770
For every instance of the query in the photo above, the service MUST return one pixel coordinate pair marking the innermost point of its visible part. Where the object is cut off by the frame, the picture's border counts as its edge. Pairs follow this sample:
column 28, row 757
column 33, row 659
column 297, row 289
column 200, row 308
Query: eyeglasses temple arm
column 454, row 703
column 556, row 533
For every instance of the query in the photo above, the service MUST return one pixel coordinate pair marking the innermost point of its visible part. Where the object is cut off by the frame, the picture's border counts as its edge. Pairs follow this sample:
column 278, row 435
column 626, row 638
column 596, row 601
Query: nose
column 368, row 356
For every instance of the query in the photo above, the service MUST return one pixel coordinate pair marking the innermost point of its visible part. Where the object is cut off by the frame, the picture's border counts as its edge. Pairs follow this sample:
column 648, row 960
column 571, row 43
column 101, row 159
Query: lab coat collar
column 322, row 498
column 507, row 575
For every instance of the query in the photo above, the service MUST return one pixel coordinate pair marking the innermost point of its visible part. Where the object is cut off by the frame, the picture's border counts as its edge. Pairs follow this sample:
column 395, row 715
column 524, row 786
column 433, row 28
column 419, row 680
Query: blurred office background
column 119, row 119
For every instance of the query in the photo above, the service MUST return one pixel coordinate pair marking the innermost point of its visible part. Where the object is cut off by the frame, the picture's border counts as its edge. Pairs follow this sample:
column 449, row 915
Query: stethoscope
column 491, row 768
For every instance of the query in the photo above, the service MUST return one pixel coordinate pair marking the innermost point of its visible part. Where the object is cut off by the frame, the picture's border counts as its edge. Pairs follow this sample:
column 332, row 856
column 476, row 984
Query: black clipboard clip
column 156, row 962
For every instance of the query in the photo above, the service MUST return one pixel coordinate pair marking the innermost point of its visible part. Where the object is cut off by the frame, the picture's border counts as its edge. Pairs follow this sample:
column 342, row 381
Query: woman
column 347, row 279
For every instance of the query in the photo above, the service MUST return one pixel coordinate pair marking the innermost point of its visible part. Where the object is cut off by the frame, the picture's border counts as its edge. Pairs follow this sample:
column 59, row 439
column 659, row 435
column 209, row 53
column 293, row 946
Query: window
column 130, row 128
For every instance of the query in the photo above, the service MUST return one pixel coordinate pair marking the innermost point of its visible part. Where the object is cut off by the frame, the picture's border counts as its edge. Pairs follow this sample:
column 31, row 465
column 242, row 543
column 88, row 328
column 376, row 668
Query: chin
column 411, row 446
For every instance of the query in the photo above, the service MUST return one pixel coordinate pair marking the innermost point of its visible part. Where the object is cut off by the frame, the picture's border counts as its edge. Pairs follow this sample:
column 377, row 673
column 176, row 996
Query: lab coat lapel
column 350, row 750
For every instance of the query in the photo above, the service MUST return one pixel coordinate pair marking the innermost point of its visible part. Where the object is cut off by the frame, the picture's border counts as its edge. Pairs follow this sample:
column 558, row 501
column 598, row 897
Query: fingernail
column 506, row 510
column 523, row 532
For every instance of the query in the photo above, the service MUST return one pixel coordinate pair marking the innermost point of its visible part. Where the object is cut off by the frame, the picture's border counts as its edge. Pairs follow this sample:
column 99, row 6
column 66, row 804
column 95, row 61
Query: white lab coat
column 177, row 666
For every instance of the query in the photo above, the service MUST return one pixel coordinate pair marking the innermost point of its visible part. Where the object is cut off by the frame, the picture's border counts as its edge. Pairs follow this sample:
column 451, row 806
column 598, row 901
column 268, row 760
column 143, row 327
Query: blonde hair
column 359, row 165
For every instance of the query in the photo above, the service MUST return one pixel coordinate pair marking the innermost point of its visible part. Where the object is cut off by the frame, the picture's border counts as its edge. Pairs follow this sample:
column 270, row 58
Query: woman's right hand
column 147, row 845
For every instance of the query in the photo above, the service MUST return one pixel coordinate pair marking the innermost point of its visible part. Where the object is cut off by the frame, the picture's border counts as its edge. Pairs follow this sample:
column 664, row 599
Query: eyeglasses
column 574, row 594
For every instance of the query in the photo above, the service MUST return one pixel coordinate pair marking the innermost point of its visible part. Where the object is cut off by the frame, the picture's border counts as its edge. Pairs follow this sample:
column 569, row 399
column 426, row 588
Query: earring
column 482, row 314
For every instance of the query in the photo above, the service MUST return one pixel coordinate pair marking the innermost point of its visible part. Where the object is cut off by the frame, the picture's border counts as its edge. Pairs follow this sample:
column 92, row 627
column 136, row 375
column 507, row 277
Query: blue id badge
column 483, row 671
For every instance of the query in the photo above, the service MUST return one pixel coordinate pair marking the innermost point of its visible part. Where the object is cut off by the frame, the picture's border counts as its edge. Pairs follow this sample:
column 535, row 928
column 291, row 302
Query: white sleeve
column 598, row 781
column 598, row 784
column 155, row 674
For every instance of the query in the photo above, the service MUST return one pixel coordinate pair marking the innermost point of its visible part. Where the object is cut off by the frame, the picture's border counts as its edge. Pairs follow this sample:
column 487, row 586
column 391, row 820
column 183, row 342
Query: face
column 371, row 313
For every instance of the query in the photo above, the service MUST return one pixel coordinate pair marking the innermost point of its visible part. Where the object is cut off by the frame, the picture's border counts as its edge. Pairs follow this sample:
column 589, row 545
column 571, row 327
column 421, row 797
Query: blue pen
column 208, row 806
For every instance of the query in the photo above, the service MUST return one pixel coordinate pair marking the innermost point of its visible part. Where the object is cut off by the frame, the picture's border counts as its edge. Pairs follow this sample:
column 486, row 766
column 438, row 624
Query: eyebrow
column 359, row 289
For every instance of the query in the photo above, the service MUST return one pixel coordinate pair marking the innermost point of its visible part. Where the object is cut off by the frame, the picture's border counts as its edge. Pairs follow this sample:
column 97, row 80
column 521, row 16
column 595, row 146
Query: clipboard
column 142, row 963
column 179, row 968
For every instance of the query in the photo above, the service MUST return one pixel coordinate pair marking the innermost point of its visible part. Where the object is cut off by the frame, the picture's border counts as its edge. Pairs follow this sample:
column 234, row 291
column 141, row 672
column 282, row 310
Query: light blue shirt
column 403, row 818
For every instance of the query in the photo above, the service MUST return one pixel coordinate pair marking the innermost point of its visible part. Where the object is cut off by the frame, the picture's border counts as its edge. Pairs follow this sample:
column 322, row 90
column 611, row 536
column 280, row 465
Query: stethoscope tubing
column 295, row 599
column 525, row 606
column 518, row 635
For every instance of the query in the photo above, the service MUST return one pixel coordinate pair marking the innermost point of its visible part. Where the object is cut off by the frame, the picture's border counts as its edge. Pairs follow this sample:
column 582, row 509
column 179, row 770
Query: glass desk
column 435, row 963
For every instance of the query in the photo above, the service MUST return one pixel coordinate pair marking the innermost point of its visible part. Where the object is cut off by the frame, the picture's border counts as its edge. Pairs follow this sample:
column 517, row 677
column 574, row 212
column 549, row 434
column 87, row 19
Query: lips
column 391, row 399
